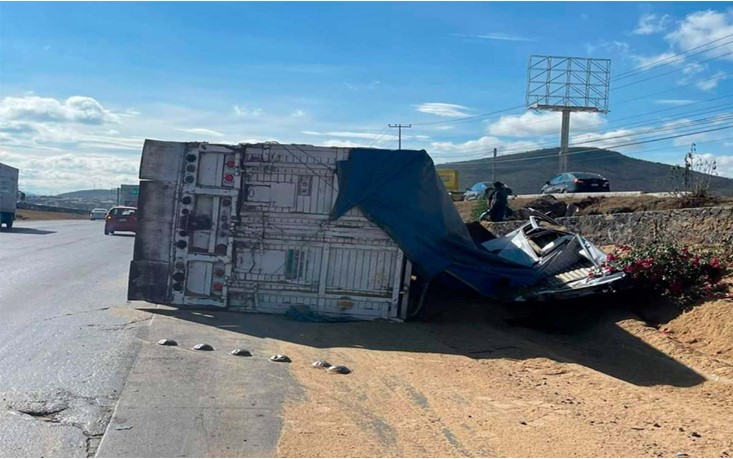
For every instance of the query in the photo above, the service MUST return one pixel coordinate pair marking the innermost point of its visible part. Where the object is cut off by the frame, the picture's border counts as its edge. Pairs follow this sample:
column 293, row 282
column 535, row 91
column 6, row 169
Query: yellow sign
column 449, row 178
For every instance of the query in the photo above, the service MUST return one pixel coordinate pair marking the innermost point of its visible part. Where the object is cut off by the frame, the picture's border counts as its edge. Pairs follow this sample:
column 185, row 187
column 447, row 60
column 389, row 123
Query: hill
column 527, row 172
column 89, row 195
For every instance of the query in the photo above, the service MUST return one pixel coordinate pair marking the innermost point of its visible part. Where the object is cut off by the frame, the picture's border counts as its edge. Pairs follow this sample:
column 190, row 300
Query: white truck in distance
column 8, row 194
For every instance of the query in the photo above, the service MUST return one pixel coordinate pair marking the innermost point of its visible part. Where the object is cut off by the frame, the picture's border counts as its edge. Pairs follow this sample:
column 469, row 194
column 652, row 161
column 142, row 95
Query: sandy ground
column 34, row 215
column 589, row 380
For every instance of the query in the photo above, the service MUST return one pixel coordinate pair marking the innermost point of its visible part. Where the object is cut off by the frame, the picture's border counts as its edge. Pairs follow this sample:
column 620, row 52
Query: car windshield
column 128, row 212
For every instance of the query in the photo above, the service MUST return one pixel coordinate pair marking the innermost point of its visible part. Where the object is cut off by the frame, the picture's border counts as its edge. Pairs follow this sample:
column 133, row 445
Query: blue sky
column 82, row 84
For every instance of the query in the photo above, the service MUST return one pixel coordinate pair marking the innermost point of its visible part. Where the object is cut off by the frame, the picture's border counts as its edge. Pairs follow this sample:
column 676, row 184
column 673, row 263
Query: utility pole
column 399, row 127
column 493, row 168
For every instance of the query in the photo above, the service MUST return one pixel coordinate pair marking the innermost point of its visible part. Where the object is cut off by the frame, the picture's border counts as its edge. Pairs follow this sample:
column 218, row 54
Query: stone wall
column 709, row 225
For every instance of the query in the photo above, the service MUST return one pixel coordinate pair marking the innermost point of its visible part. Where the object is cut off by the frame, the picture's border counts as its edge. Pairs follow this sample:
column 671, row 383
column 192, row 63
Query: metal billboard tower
column 568, row 84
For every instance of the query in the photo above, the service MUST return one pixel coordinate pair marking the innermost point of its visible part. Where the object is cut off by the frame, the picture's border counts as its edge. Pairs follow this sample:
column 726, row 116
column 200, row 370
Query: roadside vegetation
column 678, row 272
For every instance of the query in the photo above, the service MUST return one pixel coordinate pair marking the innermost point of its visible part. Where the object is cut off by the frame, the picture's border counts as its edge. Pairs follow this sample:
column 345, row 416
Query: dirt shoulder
column 34, row 215
column 595, row 381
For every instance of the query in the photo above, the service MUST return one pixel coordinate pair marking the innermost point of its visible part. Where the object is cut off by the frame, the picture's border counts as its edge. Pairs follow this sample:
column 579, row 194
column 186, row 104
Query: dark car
column 121, row 218
column 576, row 182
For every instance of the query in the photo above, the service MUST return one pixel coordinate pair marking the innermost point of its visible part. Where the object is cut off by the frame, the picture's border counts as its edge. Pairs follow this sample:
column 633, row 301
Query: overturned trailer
column 266, row 227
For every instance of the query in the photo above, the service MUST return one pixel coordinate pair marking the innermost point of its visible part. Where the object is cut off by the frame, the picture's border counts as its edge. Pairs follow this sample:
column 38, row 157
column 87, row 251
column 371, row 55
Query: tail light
column 108, row 217
column 229, row 178
column 577, row 181
column 231, row 164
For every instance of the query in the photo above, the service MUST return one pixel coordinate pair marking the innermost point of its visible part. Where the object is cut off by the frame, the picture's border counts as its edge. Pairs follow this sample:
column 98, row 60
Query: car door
column 551, row 186
column 561, row 183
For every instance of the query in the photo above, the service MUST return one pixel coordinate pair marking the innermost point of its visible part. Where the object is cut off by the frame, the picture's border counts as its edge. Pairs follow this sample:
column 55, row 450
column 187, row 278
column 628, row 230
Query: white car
column 98, row 214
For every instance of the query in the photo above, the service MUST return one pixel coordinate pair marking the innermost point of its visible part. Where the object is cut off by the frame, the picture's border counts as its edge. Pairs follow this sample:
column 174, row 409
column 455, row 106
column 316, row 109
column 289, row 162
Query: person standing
column 498, row 202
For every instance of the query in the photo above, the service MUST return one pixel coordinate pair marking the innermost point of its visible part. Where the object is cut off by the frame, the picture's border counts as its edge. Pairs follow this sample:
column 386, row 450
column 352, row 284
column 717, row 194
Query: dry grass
column 35, row 215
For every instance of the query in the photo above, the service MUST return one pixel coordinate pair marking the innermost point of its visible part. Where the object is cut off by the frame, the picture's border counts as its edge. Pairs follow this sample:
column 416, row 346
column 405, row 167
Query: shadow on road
column 21, row 230
column 584, row 334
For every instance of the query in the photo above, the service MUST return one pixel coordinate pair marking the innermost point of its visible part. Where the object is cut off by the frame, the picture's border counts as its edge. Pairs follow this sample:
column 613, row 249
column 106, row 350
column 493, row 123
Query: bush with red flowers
column 672, row 270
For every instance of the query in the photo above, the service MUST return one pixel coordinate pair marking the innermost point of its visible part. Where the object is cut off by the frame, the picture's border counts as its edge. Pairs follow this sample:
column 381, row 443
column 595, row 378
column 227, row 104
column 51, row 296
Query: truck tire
column 9, row 223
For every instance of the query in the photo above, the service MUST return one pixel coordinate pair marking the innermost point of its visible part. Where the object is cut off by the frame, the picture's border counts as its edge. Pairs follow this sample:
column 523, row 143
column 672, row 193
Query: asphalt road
column 67, row 335
column 81, row 374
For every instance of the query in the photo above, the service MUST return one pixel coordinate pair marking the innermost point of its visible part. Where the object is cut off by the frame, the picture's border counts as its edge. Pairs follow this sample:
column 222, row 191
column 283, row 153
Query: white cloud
column 702, row 27
column 724, row 163
column 346, row 134
column 482, row 147
column 610, row 139
column 243, row 111
column 58, row 136
column 690, row 73
column 651, row 23
column 56, row 173
column 674, row 101
column 359, row 87
column 75, row 109
column 496, row 36
column 532, row 124
column 616, row 47
column 345, row 143
column 202, row 131
column 298, row 114
column 442, row 109
column 711, row 83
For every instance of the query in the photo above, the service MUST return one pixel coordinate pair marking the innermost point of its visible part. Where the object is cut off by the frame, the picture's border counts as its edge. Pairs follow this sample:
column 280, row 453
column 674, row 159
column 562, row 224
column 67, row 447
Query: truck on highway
column 8, row 194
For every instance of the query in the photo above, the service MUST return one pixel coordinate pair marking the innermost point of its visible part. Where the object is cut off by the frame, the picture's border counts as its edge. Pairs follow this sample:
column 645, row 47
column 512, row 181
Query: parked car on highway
column 121, row 218
column 97, row 214
column 576, row 182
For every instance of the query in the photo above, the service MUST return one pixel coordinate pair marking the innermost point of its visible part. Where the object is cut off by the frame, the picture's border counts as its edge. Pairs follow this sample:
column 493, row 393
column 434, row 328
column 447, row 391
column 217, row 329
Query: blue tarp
column 400, row 191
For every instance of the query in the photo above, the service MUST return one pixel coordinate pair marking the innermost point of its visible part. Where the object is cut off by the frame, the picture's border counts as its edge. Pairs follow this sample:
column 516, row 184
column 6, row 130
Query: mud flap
column 148, row 281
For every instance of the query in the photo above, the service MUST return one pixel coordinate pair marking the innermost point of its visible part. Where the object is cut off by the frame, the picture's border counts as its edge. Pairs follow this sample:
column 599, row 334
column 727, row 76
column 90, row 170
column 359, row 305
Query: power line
column 619, row 145
column 628, row 144
column 375, row 139
column 671, row 71
column 618, row 77
column 481, row 115
column 674, row 58
column 643, row 124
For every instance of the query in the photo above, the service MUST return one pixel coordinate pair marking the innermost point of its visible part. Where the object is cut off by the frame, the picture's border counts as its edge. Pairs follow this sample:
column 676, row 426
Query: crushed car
column 568, row 265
